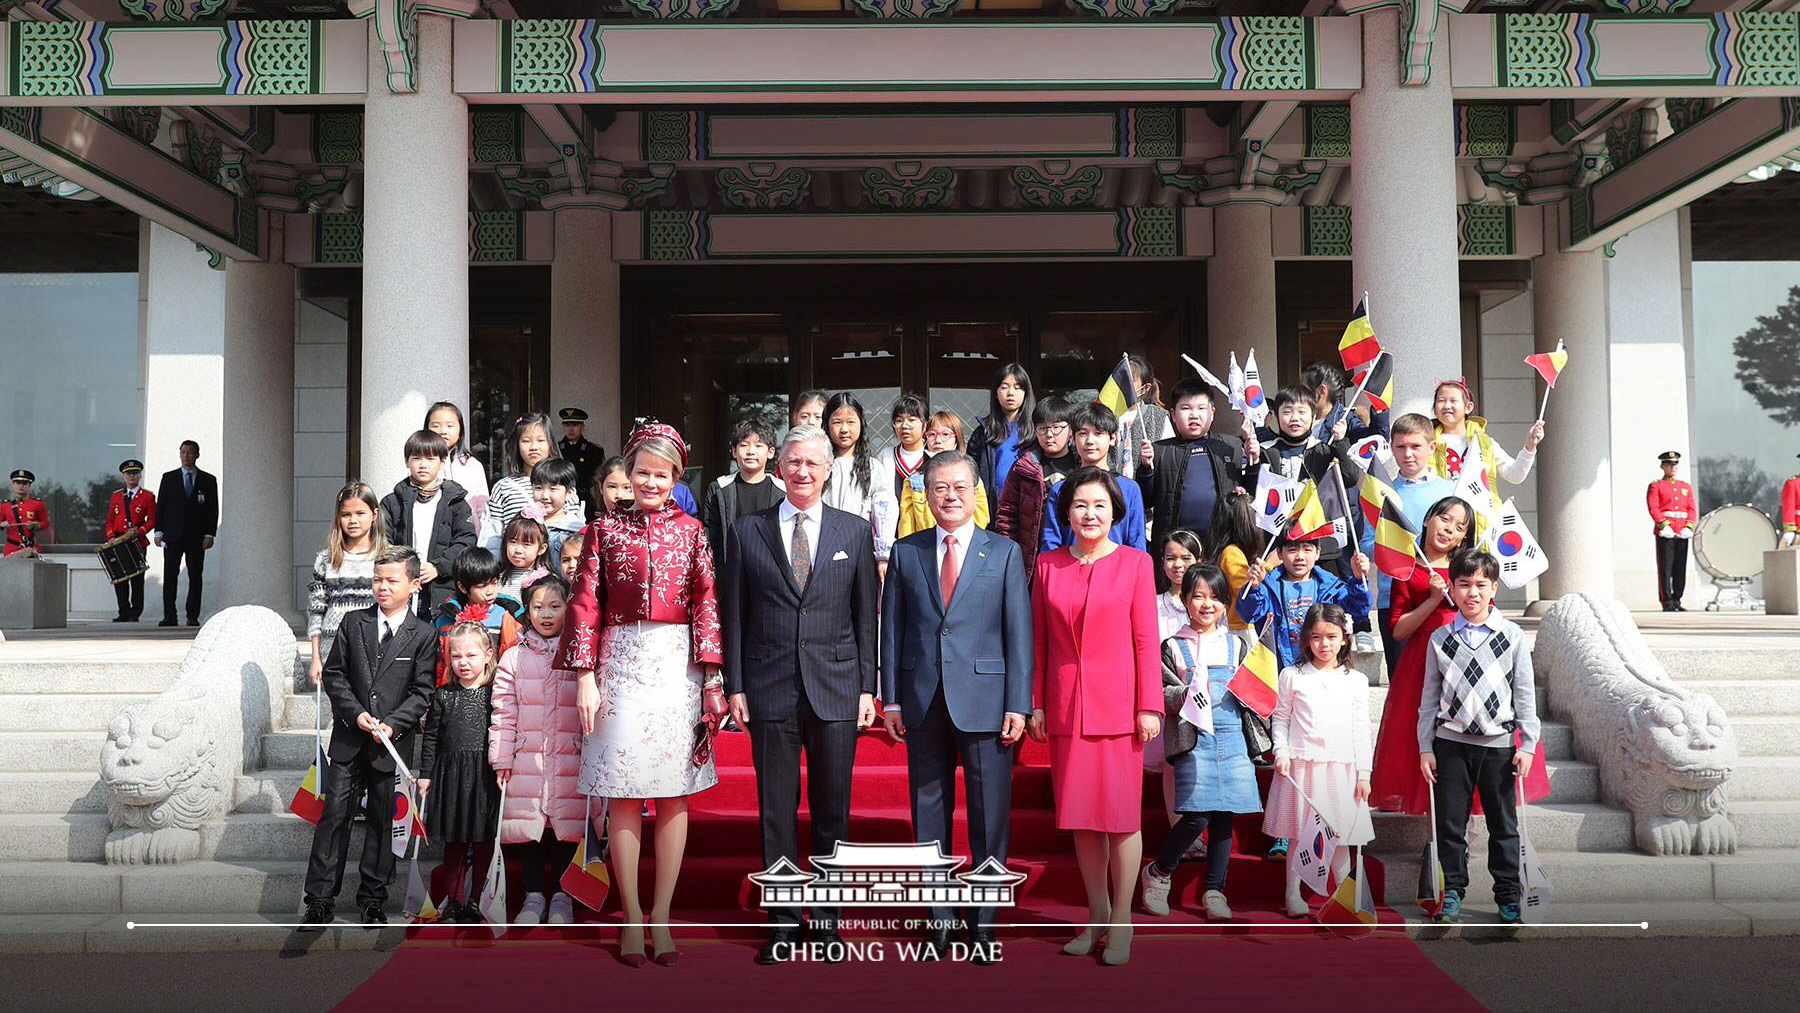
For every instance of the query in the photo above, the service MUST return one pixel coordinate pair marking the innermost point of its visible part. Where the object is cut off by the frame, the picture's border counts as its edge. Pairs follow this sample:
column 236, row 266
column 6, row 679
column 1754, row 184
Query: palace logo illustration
column 887, row 875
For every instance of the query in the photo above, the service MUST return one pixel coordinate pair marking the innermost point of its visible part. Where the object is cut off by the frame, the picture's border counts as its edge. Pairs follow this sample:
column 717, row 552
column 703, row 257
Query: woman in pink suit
column 1098, row 697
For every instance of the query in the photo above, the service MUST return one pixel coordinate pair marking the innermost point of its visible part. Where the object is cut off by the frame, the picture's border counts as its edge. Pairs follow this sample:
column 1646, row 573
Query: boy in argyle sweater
column 1478, row 689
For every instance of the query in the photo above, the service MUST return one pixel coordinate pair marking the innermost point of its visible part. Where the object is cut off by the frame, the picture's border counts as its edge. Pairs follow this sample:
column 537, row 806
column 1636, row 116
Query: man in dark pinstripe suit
column 798, row 599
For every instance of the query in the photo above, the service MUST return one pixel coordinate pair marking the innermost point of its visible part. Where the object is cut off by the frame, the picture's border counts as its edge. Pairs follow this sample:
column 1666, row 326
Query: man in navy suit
column 798, row 602
column 187, row 519
column 956, row 674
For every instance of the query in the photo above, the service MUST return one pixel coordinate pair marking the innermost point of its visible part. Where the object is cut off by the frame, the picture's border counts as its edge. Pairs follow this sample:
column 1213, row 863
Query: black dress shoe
column 1679, row 607
column 318, row 915
column 984, row 949
column 121, row 619
column 374, row 914
column 168, row 622
column 831, row 944
column 193, row 622
column 938, row 941
column 778, row 947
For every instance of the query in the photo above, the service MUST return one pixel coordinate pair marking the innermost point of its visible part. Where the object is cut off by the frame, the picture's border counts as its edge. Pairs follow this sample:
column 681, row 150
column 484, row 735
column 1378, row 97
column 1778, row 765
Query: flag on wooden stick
column 1310, row 520
column 1521, row 559
column 1119, row 393
column 1256, row 405
column 308, row 802
column 1549, row 365
column 1275, row 499
column 1359, row 346
column 1350, row 910
column 1378, row 486
column 1396, row 542
column 492, row 903
column 1309, row 853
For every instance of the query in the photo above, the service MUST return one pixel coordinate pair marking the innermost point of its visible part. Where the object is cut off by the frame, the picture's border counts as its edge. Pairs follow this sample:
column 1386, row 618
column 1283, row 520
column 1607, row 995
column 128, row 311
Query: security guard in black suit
column 586, row 457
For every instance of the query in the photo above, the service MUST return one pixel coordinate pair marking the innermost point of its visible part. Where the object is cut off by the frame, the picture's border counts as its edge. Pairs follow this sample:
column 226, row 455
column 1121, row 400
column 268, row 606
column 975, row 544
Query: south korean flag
column 1521, row 559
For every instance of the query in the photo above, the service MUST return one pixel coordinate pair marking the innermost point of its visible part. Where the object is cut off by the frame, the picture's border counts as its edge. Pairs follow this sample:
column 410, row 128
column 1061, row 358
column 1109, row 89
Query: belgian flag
column 1378, row 486
column 1255, row 680
column 1309, row 518
column 1396, row 542
column 587, row 879
column 1378, row 381
column 1119, row 393
column 1350, row 910
column 1359, row 347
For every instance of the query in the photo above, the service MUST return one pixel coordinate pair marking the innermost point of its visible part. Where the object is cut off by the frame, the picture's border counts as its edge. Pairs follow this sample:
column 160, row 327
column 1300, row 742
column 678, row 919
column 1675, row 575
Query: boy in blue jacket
column 1295, row 587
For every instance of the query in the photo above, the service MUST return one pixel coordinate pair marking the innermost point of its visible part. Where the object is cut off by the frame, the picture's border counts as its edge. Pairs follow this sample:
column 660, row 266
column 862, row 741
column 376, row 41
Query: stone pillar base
column 1781, row 582
column 34, row 594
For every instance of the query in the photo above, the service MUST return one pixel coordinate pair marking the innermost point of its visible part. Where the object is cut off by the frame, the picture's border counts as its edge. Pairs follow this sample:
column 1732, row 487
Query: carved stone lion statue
column 1664, row 752
column 169, row 764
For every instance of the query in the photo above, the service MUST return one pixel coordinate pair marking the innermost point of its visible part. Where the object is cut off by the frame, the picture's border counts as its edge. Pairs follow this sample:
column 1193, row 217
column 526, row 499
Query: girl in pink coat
column 534, row 746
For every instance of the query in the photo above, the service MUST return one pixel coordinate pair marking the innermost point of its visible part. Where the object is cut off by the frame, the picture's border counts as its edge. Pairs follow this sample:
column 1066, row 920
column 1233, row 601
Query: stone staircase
column 1587, row 845
column 60, row 896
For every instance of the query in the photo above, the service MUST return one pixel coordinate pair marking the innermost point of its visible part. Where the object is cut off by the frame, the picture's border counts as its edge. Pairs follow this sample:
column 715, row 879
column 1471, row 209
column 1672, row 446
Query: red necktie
column 947, row 571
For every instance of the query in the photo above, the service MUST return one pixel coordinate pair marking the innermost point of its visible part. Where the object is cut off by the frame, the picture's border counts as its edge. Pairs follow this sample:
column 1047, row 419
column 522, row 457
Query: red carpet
column 465, row 968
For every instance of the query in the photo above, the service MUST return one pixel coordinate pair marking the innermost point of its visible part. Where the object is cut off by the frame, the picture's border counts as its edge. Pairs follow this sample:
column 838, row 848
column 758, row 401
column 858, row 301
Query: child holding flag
column 378, row 678
column 1322, row 747
column 1204, row 742
column 534, row 746
column 456, row 784
column 1290, row 592
column 1412, row 483
column 1462, row 442
column 1479, row 691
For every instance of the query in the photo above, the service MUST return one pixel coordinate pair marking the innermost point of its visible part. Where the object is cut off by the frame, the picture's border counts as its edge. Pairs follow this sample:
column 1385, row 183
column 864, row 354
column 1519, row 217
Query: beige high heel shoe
column 1118, row 947
column 1085, row 940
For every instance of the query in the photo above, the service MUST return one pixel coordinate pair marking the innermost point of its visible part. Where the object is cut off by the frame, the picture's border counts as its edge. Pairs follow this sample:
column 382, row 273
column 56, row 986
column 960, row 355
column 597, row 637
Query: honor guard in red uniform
column 1673, row 510
column 585, row 456
column 1790, row 511
column 132, row 510
column 26, row 520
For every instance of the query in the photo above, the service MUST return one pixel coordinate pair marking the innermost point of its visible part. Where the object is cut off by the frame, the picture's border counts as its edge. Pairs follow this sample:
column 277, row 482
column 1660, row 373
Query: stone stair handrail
column 1664, row 752
column 169, row 764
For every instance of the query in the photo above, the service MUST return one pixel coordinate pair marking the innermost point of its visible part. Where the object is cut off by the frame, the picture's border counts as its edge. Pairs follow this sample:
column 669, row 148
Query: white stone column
column 183, row 342
column 415, row 322
column 1240, row 297
column 584, row 324
column 1574, row 463
column 1403, row 215
column 1647, row 359
column 255, row 554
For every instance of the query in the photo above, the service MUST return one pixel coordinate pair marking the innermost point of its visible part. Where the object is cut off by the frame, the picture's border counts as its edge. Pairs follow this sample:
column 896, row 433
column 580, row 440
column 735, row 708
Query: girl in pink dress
column 1097, row 697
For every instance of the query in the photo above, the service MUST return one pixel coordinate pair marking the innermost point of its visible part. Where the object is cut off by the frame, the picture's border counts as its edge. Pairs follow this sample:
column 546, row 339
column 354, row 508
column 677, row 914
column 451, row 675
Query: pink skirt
column 1098, row 781
column 1332, row 787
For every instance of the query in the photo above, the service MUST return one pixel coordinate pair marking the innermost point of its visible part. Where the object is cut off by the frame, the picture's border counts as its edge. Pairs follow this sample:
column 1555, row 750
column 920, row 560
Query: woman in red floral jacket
column 643, row 640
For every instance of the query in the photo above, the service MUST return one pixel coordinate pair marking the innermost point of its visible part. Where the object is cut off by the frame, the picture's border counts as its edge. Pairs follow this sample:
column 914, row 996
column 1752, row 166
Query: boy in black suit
column 384, row 662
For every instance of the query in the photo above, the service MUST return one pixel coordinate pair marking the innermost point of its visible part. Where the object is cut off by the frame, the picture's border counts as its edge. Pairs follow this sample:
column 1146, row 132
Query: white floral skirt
column 643, row 738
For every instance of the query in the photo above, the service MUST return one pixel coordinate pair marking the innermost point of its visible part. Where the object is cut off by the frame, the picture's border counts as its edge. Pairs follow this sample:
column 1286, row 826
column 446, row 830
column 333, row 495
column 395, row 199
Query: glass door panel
column 866, row 359
column 712, row 370
column 962, row 357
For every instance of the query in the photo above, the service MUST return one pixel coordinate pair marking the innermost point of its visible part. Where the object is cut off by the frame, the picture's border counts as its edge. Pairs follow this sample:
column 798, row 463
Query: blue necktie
column 188, row 477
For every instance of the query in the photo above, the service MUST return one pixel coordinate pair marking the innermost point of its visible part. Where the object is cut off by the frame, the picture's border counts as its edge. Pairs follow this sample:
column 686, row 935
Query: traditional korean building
column 337, row 213
column 887, row 875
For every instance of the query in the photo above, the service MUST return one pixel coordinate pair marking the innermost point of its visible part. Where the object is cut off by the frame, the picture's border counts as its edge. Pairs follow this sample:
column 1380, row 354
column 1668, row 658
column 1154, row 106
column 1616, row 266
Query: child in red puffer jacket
column 534, row 745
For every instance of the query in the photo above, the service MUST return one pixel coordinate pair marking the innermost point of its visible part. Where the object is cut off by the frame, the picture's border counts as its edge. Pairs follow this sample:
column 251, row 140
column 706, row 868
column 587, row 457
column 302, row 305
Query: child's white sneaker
column 532, row 911
column 562, row 909
column 1156, row 890
column 1365, row 643
column 1216, row 908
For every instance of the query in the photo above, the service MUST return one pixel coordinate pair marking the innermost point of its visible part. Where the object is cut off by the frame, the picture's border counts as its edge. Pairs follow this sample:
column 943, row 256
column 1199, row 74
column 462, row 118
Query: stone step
column 1609, row 877
column 1573, row 781
column 59, row 677
column 266, row 791
column 1752, row 697
column 51, row 792
column 1553, row 826
column 41, row 837
column 297, row 713
column 1765, row 778
column 1701, row 664
column 289, row 750
column 90, row 887
column 1766, row 824
column 270, row 837
column 170, row 932
column 23, row 751
column 77, row 712
column 1767, row 735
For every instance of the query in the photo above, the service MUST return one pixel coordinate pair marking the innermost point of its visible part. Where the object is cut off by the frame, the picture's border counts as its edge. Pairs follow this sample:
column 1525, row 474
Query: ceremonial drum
column 1729, row 544
column 123, row 558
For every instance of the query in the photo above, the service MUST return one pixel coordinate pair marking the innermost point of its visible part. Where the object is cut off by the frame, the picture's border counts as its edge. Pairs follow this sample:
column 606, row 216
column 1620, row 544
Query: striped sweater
column 334, row 592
